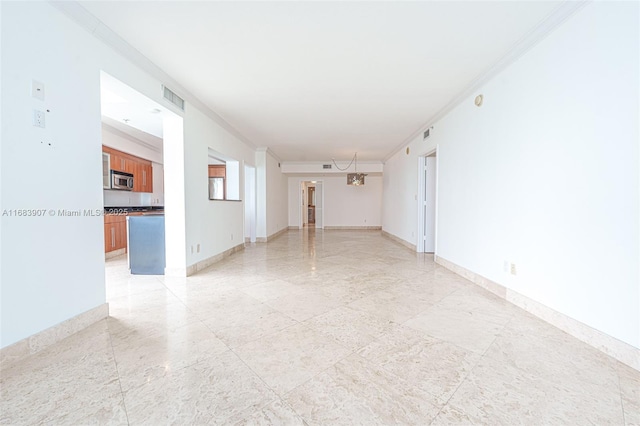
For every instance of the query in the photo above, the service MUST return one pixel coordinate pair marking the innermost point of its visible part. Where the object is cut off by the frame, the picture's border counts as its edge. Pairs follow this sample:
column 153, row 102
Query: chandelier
column 356, row 179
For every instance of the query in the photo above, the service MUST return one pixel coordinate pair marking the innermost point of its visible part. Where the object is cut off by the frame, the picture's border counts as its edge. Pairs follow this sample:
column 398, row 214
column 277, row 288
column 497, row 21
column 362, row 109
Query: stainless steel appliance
column 121, row 180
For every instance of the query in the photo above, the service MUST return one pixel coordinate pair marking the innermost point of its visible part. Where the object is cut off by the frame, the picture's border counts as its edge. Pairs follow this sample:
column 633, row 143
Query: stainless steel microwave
column 121, row 180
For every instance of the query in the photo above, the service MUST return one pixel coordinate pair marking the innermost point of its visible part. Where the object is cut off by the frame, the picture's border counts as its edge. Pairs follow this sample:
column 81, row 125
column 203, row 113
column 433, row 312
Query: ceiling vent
column 173, row 98
column 326, row 166
column 426, row 134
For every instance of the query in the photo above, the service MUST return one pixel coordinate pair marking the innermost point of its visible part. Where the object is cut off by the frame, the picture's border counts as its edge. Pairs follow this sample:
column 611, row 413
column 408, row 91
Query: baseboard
column 274, row 235
column 363, row 228
column 115, row 253
column 39, row 341
column 199, row 266
column 611, row 346
column 407, row 244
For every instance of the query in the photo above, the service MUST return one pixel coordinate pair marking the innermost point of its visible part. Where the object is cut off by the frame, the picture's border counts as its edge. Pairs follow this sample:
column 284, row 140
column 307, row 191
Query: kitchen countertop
column 129, row 209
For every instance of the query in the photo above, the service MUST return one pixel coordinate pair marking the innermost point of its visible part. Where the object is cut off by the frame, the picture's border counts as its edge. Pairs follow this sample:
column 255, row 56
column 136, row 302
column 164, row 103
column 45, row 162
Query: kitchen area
column 132, row 179
column 134, row 210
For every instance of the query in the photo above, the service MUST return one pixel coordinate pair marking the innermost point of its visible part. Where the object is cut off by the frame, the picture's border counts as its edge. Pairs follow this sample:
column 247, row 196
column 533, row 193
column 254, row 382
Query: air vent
column 426, row 134
column 173, row 98
column 326, row 166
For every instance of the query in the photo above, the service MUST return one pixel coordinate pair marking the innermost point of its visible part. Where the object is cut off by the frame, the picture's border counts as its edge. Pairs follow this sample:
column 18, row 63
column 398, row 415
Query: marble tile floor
column 316, row 328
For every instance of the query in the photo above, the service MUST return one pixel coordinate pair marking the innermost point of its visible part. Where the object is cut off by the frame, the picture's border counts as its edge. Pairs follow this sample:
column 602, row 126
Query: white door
column 319, row 205
column 430, row 205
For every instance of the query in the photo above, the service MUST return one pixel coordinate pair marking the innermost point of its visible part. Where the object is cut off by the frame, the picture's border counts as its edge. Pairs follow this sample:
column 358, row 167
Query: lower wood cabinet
column 115, row 233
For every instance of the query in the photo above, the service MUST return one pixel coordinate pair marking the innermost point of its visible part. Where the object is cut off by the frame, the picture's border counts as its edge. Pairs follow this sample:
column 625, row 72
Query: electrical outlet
column 191, row 249
column 38, row 118
column 513, row 268
column 198, row 248
column 231, row 237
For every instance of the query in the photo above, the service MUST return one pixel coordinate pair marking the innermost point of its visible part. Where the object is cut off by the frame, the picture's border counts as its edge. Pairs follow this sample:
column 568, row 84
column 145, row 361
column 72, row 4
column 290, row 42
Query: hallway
column 317, row 327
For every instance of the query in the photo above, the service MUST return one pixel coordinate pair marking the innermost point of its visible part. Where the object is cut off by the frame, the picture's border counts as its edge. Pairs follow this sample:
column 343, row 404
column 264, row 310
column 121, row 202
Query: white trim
column 93, row 25
column 352, row 228
column 623, row 352
column 52, row 335
column 300, row 219
column 420, row 204
column 268, row 151
column 203, row 264
column 132, row 139
column 422, row 195
column 522, row 46
column 399, row 240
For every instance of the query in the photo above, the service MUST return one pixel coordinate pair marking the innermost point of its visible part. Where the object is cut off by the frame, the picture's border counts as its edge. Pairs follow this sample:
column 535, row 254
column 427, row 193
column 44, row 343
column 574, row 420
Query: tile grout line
column 480, row 358
column 115, row 361
column 624, row 420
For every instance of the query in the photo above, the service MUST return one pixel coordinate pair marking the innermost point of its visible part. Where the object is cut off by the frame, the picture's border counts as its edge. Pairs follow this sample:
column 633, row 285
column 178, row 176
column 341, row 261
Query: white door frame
column 300, row 201
column 422, row 195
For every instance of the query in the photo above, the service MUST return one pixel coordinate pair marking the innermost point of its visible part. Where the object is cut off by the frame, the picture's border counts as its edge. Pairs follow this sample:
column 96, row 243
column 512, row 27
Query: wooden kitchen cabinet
column 140, row 168
column 115, row 233
column 120, row 162
column 144, row 176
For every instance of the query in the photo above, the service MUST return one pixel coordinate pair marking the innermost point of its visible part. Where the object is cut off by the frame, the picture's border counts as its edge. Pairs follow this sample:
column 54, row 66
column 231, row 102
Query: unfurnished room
column 320, row 212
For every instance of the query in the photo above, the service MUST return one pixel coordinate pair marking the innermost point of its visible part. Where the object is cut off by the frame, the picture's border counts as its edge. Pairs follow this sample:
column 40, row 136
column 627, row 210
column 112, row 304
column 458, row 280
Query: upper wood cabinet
column 140, row 168
column 146, row 177
column 217, row 170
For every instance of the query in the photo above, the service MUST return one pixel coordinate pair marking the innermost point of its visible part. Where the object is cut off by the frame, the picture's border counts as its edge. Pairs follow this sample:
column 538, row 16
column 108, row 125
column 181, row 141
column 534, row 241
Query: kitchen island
column 146, row 244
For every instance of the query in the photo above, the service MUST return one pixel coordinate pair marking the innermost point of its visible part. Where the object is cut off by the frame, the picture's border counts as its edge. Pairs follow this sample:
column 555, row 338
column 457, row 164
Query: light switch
column 37, row 90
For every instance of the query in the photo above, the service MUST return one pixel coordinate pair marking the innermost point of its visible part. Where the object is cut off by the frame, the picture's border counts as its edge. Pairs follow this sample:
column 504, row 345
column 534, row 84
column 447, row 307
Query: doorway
column 311, row 204
column 141, row 144
column 427, row 205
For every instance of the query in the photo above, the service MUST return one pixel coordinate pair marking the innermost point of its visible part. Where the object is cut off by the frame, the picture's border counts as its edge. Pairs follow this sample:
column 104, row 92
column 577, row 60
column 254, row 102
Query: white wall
column 215, row 225
column 344, row 205
column 51, row 266
column 545, row 174
column 276, row 197
column 116, row 139
column 69, row 252
column 157, row 197
column 250, row 203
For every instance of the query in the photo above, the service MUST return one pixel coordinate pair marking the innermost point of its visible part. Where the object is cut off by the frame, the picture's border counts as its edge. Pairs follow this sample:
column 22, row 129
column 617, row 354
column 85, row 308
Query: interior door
column 430, row 205
column 319, row 194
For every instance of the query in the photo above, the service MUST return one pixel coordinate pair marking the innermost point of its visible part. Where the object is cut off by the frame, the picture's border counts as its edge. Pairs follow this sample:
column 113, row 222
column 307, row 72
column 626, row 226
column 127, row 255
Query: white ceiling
column 129, row 111
column 320, row 80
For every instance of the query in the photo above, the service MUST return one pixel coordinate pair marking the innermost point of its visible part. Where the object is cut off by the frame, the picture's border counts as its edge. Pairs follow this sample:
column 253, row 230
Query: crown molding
column 268, row 151
column 563, row 12
column 98, row 29
column 132, row 138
